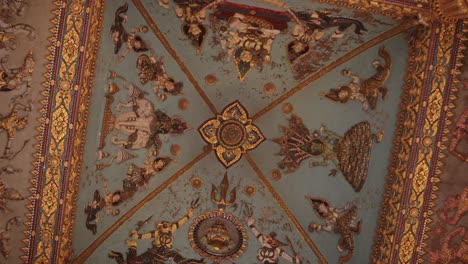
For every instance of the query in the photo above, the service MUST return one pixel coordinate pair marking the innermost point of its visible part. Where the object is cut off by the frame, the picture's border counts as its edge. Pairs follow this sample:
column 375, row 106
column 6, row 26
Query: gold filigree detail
column 65, row 248
column 59, row 129
column 231, row 134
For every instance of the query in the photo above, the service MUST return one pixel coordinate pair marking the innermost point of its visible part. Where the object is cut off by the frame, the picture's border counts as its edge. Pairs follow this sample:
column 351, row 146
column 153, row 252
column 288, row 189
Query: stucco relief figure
column 311, row 27
column 14, row 79
column 271, row 251
column 10, row 124
column 248, row 39
column 137, row 179
column 366, row 91
column 193, row 14
column 120, row 36
column 9, row 34
column 162, row 250
column 153, row 71
column 349, row 153
column 5, row 236
column 8, row 194
column 142, row 124
column 460, row 134
column 338, row 220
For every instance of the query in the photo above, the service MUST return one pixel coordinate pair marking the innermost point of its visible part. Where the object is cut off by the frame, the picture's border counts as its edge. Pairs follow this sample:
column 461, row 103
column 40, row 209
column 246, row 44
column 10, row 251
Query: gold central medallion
column 219, row 235
column 231, row 134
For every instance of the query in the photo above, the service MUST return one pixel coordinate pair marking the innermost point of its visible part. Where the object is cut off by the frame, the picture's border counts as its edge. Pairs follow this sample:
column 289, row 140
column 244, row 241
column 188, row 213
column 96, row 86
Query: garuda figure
column 340, row 221
column 349, row 153
column 365, row 91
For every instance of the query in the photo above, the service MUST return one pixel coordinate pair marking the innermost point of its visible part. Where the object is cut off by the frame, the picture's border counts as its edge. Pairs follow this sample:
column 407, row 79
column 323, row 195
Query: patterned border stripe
column 93, row 34
column 38, row 164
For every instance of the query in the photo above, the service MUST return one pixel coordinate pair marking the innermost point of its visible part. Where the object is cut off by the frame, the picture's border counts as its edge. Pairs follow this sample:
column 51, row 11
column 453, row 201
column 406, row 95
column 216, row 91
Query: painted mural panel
column 253, row 131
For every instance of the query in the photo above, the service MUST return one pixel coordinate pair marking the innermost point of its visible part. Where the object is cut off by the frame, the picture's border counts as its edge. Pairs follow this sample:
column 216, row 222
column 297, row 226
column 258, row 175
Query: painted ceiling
column 216, row 88
column 252, row 131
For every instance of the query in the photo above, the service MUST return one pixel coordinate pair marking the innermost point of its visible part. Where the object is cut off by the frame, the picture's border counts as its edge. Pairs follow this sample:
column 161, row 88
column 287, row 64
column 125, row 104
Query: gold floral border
column 454, row 88
column 414, row 163
column 385, row 249
column 60, row 130
column 46, row 85
column 92, row 47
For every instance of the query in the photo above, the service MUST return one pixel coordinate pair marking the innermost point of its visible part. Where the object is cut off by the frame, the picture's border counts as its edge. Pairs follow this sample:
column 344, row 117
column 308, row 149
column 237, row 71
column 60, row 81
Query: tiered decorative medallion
column 231, row 134
column 218, row 235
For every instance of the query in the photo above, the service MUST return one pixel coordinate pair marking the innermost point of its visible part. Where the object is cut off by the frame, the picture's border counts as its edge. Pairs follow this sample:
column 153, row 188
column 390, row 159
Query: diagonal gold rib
column 288, row 212
column 386, row 35
column 173, row 53
column 91, row 248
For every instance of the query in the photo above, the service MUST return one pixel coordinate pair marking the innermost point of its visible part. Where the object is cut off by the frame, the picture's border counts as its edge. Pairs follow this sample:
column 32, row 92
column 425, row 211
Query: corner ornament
column 231, row 134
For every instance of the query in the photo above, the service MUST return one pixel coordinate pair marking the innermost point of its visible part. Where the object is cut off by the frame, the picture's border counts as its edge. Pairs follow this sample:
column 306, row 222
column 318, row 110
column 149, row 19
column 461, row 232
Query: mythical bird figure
column 349, row 153
column 365, row 91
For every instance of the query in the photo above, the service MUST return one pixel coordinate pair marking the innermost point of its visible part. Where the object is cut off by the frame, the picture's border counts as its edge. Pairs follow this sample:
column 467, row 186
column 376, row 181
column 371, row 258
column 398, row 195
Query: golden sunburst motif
column 231, row 134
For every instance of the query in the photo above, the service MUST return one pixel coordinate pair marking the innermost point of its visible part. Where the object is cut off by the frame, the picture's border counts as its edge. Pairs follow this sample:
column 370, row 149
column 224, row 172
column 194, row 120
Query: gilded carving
column 58, row 129
column 231, row 134
column 219, row 235
column 349, row 153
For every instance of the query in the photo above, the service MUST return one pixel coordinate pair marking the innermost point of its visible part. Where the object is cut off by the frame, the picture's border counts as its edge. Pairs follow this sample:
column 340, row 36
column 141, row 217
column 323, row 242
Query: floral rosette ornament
column 231, row 134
